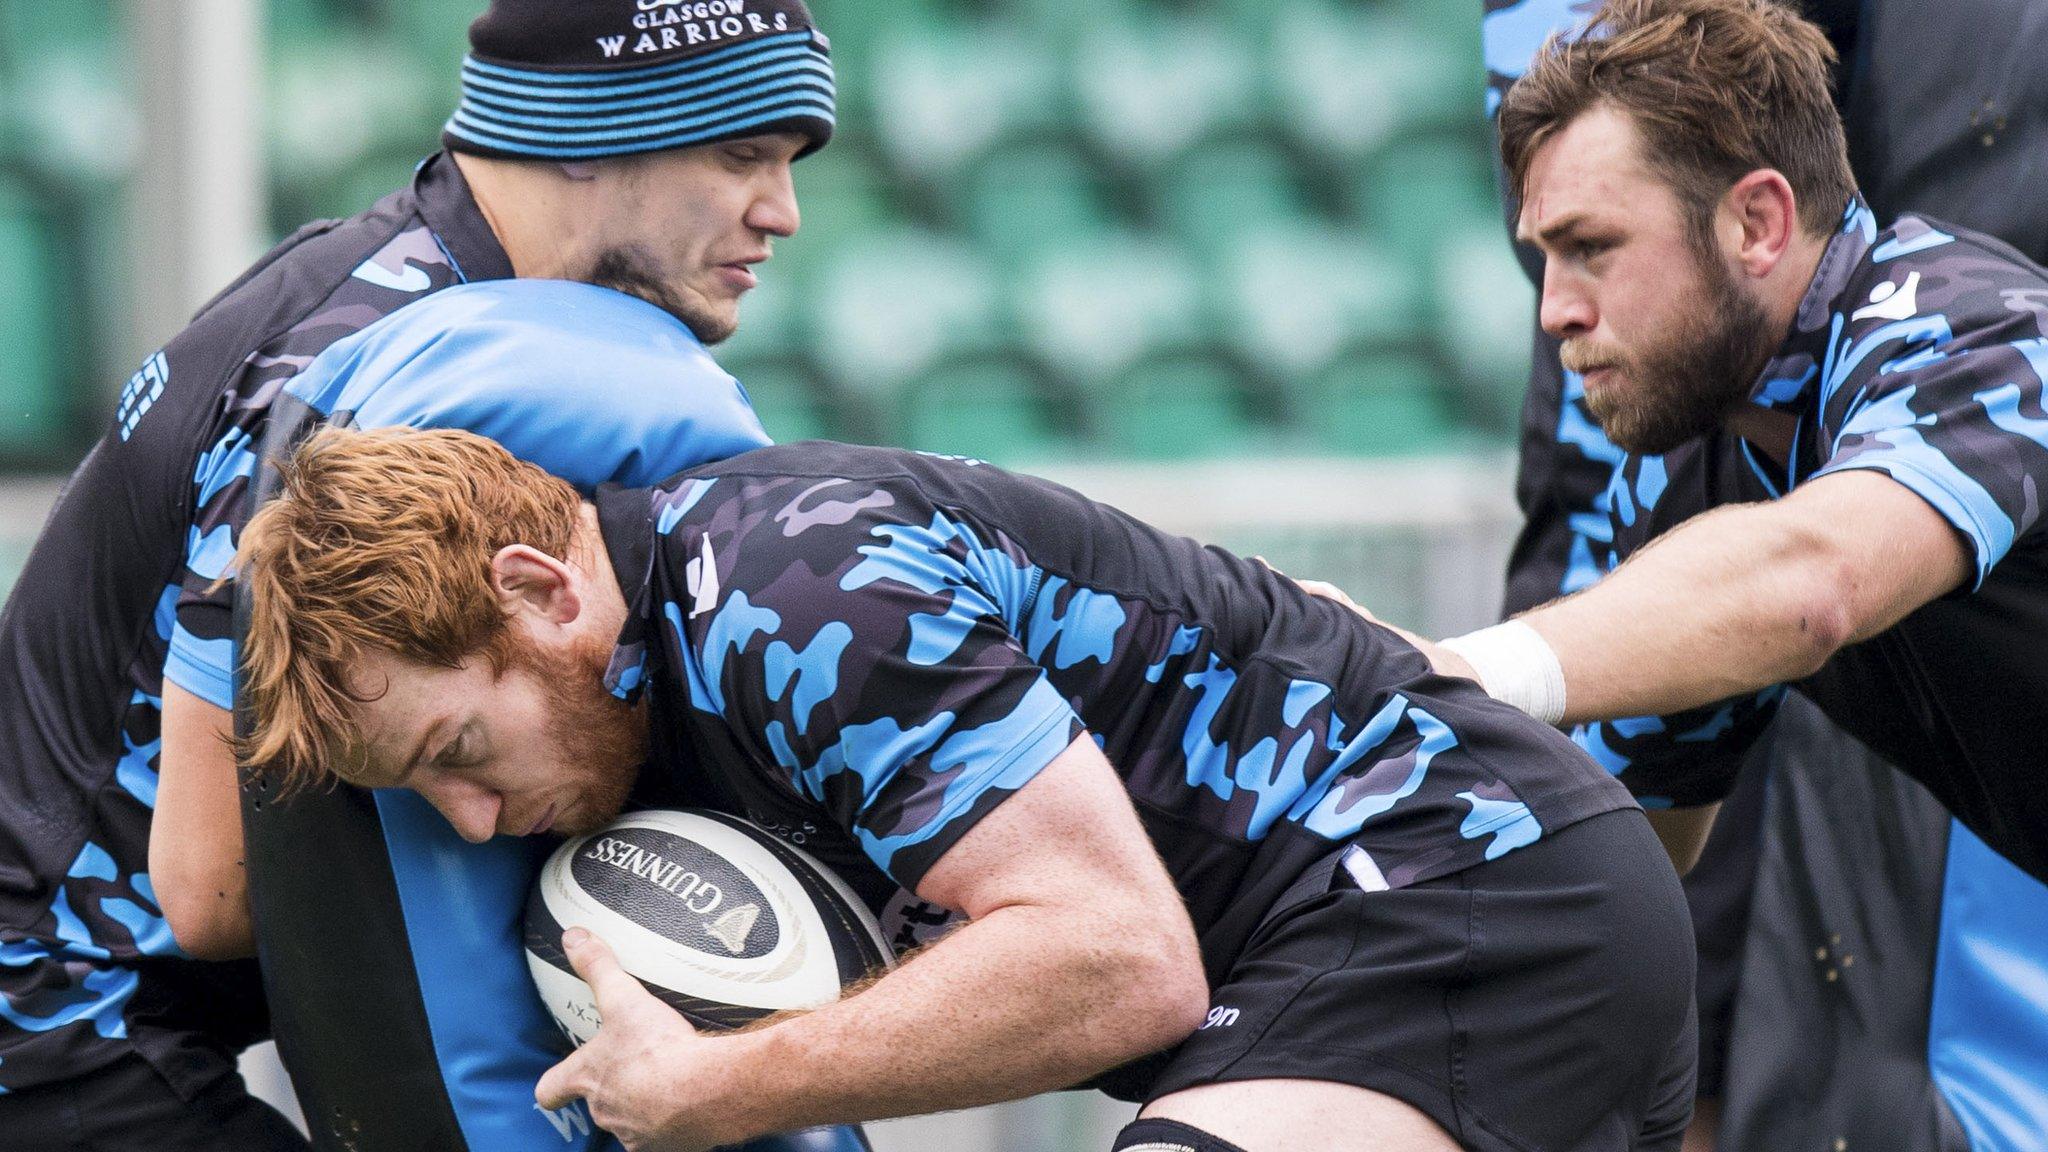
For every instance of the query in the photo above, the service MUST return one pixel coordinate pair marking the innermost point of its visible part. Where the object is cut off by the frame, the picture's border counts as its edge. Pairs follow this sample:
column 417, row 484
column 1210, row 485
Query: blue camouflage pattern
column 888, row 644
column 1919, row 352
column 1513, row 31
column 1566, row 461
column 80, row 930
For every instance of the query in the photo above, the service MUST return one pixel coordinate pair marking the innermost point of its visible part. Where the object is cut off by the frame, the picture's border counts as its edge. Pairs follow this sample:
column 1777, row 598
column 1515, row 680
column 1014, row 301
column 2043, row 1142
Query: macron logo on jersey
column 1889, row 301
column 142, row 391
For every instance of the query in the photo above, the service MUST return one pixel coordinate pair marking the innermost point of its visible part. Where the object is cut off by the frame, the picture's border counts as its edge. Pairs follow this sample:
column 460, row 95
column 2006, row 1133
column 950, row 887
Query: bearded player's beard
column 1682, row 386
column 602, row 739
column 628, row 269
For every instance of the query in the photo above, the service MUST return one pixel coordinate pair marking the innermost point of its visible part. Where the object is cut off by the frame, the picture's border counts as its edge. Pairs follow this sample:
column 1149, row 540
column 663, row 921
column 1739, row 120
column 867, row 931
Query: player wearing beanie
column 663, row 172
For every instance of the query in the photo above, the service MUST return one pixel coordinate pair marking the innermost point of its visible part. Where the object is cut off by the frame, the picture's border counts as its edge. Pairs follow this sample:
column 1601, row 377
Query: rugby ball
column 721, row 919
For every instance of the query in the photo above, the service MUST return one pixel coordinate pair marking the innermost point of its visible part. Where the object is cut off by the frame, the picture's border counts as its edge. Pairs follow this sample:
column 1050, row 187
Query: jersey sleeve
column 201, row 655
column 590, row 384
column 863, row 659
column 1963, row 427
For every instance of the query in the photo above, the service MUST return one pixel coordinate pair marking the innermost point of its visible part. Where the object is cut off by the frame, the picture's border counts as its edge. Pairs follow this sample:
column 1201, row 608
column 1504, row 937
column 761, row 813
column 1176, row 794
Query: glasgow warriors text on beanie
column 584, row 79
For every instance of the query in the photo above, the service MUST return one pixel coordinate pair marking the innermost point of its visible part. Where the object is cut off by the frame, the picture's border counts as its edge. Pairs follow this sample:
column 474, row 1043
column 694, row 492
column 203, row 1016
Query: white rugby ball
column 721, row 919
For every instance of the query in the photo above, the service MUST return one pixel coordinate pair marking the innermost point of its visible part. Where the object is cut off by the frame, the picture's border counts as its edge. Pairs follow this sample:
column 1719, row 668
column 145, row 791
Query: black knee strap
column 1156, row 1135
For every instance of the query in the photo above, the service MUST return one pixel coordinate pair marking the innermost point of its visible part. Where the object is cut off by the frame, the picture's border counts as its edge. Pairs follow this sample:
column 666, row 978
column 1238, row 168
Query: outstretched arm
column 1739, row 599
column 195, row 836
column 1078, row 956
column 1749, row 596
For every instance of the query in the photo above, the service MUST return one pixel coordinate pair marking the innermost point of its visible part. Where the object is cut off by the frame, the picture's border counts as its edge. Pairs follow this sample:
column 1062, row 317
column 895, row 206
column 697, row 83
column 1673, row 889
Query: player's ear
column 529, row 582
column 1765, row 215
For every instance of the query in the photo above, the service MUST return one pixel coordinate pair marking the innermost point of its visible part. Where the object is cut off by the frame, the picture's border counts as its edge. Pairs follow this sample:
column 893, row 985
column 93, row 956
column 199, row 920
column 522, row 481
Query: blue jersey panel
column 596, row 387
column 1513, row 31
column 590, row 384
column 1987, row 1036
column 492, row 1045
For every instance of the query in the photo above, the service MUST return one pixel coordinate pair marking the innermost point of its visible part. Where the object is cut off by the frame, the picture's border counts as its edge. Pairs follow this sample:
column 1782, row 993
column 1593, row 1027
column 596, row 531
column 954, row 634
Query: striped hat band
column 763, row 84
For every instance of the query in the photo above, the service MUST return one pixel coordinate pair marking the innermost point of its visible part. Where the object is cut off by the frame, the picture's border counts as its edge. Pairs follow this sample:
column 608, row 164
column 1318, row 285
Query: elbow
column 1819, row 620
column 201, row 940
column 206, row 925
column 1166, row 994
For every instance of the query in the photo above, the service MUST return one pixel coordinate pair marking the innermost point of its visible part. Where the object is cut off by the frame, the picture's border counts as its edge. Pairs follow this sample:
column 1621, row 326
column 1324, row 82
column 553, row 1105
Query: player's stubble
column 1685, row 382
column 601, row 738
column 629, row 270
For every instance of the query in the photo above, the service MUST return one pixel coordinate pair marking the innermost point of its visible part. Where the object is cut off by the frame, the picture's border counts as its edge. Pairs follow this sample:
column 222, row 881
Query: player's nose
column 774, row 207
column 1566, row 309
column 473, row 812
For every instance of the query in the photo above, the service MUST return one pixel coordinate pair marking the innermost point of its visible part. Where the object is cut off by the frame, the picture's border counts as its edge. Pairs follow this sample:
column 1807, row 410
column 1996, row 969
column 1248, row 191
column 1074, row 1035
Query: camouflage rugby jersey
column 1919, row 352
column 404, row 315
column 116, row 598
column 869, row 649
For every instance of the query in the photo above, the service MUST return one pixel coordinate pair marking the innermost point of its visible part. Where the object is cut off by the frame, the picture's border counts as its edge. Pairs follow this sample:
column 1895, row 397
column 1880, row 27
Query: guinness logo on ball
column 677, row 888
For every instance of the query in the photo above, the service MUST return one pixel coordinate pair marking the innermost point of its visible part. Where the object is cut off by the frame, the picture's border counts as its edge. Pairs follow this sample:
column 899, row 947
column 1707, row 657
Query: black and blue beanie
column 586, row 79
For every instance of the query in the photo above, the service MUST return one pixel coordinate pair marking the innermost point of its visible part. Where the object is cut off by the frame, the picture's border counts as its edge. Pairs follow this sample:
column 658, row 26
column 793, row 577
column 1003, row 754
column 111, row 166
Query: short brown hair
column 378, row 540
column 1717, row 88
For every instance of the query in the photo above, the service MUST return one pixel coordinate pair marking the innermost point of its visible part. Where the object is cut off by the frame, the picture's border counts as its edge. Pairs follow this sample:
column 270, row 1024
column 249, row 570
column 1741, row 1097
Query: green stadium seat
column 946, row 93
column 772, row 317
column 32, row 393
column 1419, row 191
column 1486, row 313
column 1293, row 299
column 1448, row 24
column 434, row 36
column 1062, row 23
column 366, row 181
column 1093, row 307
column 1378, row 405
column 1256, row 21
column 1346, row 81
column 843, row 197
column 77, row 119
column 33, row 29
column 787, row 396
column 1224, row 189
column 307, row 20
column 858, row 28
column 337, row 100
column 430, row 24
column 1174, row 407
column 893, row 305
column 990, row 408
column 1021, row 199
column 1154, row 85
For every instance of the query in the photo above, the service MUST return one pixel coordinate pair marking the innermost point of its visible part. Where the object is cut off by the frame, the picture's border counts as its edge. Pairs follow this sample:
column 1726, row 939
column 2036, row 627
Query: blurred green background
column 1234, row 265
column 1047, row 229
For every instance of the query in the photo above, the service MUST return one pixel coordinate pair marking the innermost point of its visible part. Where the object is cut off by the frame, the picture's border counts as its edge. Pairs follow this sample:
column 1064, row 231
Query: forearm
column 1078, row 955
column 1729, row 603
column 1016, row 1003
column 1726, row 604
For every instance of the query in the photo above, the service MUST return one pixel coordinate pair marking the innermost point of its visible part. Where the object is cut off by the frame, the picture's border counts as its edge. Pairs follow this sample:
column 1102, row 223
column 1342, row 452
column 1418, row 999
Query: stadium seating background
column 1179, row 253
column 1047, row 229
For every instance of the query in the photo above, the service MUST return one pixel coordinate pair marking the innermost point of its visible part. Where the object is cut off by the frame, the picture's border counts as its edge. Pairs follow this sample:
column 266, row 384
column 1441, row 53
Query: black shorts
column 128, row 1106
column 1541, row 1002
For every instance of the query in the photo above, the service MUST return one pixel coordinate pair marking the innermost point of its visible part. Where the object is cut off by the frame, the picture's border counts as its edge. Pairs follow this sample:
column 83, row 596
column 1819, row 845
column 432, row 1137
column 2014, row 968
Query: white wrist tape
column 1516, row 666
